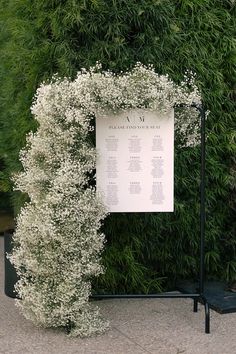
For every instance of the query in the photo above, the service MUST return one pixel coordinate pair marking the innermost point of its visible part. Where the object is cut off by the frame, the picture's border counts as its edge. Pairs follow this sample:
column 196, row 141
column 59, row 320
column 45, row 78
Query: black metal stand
column 199, row 296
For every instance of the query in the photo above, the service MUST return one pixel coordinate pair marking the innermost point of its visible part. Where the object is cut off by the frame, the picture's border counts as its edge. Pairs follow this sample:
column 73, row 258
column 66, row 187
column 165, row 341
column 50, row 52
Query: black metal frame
column 199, row 296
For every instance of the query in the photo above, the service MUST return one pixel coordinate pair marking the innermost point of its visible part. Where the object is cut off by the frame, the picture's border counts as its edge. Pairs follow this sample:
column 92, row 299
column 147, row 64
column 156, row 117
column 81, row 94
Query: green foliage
column 39, row 38
column 5, row 205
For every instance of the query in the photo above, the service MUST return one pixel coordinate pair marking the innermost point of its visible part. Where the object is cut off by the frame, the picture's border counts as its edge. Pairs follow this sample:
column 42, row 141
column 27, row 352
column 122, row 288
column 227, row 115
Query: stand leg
column 195, row 305
column 207, row 317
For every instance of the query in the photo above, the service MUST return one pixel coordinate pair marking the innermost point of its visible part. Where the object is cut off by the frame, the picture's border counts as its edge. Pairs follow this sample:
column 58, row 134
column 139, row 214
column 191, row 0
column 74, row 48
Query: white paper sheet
column 135, row 164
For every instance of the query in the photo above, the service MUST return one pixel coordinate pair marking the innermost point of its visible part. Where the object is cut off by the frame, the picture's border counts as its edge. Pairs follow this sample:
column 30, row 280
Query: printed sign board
column 135, row 163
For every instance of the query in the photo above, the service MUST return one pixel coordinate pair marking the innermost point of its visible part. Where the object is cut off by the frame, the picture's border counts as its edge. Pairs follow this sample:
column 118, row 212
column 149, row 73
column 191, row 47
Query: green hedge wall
column 38, row 38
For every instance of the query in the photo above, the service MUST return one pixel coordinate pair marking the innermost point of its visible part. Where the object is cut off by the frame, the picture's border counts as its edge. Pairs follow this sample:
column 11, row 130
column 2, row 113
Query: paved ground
column 157, row 326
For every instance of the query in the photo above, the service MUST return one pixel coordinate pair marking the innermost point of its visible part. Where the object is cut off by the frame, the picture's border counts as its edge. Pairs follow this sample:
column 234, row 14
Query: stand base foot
column 195, row 305
column 207, row 317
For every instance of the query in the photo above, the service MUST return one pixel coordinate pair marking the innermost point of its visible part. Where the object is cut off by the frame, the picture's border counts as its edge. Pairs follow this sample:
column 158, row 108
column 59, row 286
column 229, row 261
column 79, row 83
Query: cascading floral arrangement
column 58, row 242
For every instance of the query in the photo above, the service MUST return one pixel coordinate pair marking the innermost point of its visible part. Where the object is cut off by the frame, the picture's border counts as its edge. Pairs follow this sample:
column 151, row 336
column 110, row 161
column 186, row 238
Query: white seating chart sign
column 135, row 162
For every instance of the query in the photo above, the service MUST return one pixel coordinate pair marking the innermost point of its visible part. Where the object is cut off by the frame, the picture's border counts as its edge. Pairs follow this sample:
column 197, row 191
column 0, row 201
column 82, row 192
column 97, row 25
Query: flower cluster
column 58, row 242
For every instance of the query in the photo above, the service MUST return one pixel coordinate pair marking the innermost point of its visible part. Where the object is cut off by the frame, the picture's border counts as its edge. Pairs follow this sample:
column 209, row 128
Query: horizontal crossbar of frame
column 147, row 296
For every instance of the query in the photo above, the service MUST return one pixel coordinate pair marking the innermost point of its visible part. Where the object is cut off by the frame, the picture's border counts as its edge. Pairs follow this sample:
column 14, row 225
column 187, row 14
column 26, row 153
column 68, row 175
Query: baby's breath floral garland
column 58, row 242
